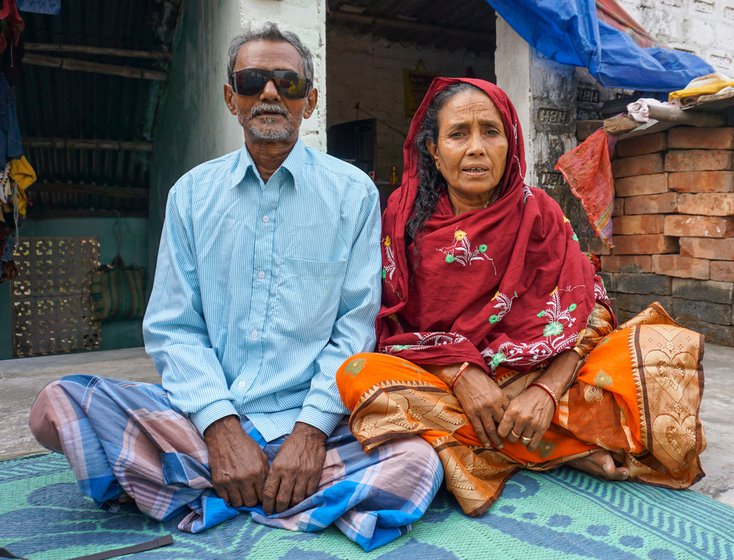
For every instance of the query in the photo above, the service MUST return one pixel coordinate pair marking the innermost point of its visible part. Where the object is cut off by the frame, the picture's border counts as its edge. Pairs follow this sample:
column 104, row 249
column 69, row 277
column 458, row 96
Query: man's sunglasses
column 251, row 81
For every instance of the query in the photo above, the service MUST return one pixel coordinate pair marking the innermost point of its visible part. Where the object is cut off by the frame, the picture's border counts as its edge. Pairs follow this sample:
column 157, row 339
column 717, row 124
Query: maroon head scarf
column 503, row 285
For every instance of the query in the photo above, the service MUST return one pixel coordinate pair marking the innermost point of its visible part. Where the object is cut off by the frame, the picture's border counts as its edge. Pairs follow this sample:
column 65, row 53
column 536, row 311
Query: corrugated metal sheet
column 58, row 103
column 449, row 24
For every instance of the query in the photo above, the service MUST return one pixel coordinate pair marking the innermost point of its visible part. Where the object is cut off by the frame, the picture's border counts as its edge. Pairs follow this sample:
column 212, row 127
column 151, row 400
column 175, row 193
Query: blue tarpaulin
column 569, row 32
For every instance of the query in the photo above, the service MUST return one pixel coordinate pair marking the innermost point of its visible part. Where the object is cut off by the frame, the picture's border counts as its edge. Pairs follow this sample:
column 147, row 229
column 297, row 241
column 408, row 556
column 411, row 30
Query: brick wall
column 674, row 228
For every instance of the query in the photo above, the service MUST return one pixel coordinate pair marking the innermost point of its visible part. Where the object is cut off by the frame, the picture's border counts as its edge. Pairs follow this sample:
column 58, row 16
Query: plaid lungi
column 126, row 437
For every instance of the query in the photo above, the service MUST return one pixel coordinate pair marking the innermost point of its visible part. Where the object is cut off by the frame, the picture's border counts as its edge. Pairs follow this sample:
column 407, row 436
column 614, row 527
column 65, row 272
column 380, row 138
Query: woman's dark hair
column 431, row 183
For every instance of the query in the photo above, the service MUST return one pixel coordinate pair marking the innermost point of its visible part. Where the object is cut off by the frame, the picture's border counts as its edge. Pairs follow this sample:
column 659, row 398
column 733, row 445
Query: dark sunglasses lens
column 248, row 82
column 251, row 81
column 291, row 84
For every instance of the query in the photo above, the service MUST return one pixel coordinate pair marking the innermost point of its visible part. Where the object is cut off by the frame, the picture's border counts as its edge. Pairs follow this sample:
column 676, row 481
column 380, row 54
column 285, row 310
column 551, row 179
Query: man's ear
column 311, row 100
column 229, row 99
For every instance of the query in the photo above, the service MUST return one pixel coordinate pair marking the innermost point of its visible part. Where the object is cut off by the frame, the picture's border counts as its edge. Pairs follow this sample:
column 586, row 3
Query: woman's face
column 471, row 150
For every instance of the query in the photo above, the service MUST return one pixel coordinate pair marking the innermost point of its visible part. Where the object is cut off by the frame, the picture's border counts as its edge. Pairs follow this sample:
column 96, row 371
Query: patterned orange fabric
column 637, row 396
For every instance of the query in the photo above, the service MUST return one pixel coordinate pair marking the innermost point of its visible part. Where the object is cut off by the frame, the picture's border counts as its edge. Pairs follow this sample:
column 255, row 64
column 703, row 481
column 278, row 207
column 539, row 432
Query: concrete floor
column 20, row 381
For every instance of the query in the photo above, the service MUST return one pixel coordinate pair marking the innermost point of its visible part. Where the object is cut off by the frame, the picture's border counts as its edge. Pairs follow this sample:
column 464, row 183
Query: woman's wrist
column 561, row 373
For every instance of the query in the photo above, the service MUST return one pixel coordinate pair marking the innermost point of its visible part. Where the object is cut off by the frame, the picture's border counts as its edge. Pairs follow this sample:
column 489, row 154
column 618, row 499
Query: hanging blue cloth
column 569, row 32
column 51, row 7
column 10, row 140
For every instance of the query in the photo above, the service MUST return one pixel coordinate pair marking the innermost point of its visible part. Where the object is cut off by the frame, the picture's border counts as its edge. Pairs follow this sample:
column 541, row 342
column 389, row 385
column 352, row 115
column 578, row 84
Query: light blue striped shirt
column 262, row 290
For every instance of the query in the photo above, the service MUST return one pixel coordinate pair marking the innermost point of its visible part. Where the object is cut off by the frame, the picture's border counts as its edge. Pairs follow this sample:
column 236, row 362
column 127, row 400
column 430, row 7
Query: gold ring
column 517, row 436
column 525, row 440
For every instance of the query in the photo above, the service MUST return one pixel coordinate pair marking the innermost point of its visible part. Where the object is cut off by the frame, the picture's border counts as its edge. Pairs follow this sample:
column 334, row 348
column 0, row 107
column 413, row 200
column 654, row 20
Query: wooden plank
column 52, row 213
column 88, row 49
column 407, row 25
column 98, row 190
column 94, row 67
column 88, row 144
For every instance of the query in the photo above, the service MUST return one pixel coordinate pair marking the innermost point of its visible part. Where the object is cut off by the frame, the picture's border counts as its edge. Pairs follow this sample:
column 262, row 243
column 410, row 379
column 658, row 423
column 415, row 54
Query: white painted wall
column 369, row 71
column 307, row 19
column 512, row 68
column 703, row 27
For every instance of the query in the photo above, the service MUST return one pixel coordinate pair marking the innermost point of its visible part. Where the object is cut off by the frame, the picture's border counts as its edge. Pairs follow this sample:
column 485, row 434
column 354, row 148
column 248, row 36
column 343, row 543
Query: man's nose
column 270, row 91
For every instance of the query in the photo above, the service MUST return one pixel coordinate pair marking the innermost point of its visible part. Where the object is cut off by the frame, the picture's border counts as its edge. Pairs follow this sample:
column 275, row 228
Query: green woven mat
column 564, row 514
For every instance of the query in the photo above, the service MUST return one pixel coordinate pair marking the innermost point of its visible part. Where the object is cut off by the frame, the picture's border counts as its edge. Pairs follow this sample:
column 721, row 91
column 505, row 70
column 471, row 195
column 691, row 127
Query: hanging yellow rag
column 23, row 174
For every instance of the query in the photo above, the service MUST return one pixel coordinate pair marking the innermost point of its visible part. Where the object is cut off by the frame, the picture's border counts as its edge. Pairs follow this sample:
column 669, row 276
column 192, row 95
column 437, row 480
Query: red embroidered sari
column 507, row 288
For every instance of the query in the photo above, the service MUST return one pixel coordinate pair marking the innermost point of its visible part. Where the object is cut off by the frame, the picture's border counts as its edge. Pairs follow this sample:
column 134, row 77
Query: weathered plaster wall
column 368, row 71
column 306, row 18
column 512, row 67
column 703, row 27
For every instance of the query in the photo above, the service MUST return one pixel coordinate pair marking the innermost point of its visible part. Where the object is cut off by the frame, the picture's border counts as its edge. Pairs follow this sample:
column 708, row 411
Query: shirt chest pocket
column 307, row 294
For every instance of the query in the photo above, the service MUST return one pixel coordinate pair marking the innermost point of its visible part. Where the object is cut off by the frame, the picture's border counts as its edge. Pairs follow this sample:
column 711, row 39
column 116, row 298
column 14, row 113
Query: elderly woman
column 497, row 341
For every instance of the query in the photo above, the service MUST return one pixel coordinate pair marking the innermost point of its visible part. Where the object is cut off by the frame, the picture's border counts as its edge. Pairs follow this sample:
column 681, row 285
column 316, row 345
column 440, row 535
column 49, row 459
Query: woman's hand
column 530, row 413
column 528, row 416
column 483, row 402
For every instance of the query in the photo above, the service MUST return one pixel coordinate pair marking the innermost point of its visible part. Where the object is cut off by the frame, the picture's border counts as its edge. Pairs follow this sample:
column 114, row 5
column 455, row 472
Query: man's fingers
column 250, row 497
column 285, row 494
column 313, row 485
column 270, row 492
column 299, row 492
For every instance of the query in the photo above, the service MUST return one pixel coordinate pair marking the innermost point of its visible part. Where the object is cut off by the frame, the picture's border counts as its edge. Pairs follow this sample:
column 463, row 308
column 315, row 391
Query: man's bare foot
column 601, row 464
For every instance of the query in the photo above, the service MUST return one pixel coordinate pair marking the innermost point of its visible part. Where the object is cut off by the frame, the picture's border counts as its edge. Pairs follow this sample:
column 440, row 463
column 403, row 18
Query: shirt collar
column 293, row 164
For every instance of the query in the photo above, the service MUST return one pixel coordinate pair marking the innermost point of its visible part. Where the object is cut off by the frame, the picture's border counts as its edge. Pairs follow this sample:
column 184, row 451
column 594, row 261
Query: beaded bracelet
column 547, row 390
column 458, row 373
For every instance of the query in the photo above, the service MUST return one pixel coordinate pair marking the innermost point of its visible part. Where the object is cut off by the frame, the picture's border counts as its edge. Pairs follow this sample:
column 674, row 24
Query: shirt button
column 261, row 275
column 266, row 219
column 254, row 334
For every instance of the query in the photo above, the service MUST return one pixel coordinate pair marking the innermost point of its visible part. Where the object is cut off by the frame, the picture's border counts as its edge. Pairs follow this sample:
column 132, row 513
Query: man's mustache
column 268, row 108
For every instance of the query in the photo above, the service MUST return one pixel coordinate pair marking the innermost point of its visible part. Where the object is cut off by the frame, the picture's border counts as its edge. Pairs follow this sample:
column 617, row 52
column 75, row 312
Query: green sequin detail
column 572, row 307
column 384, row 273
column 494, row 319
column 553, row 329
column 575, row 237
column 497, row 359
column 541, row 314
column 450, row 258
column 482, row 248
column 399, row 347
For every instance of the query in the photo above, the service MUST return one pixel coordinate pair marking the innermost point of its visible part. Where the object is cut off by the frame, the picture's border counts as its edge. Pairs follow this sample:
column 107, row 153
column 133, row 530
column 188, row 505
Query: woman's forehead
column 469, row 105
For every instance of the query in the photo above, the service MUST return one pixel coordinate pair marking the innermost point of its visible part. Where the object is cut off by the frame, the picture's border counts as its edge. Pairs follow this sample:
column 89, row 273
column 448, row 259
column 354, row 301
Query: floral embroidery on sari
column 502, row 304
column 461, row 251
column 427, row 340
column 534, row 353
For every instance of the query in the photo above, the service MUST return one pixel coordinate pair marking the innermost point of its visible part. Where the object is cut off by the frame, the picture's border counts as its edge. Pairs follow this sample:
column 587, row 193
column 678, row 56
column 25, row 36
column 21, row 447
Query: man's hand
column 296, row 469
column 238, row 465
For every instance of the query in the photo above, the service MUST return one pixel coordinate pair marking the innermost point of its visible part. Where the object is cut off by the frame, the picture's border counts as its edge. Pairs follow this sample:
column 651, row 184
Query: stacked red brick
column 674, row 228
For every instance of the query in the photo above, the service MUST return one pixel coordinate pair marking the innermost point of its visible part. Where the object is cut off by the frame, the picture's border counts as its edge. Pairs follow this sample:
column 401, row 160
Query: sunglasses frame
column 279, row 77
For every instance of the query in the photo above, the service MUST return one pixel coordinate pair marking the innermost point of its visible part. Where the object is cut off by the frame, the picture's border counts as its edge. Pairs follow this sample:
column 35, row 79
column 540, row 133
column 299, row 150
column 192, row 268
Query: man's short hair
column 271, row 32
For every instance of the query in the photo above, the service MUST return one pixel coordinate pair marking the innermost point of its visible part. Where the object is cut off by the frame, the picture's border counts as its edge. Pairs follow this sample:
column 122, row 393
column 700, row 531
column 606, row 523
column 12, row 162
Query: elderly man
column 267, row 280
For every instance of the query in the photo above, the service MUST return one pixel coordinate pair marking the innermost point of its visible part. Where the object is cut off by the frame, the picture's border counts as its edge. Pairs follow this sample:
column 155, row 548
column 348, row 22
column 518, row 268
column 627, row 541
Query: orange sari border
column 637, row 395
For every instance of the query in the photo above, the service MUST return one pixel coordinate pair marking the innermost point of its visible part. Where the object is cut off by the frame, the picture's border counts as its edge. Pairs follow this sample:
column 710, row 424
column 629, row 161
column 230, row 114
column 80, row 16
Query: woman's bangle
column 458, row 373
column 547, row 390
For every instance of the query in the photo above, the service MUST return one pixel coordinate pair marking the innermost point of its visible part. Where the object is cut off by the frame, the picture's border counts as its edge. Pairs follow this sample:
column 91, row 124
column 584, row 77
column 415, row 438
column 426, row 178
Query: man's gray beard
column 271, row 134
